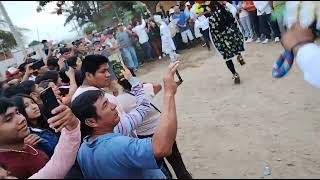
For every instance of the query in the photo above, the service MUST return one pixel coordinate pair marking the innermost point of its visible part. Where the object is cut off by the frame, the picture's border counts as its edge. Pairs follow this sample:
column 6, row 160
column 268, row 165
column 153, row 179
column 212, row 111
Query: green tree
column 33, row 43
column 8, row 41
column 101, row 13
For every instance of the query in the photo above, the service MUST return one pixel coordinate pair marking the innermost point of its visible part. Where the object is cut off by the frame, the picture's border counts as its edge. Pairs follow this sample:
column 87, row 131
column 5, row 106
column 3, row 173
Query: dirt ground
column 233, row 131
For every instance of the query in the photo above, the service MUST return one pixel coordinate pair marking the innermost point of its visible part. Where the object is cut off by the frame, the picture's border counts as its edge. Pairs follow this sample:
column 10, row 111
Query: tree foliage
column 101, row 13
column 34, row 42
column 8, row 41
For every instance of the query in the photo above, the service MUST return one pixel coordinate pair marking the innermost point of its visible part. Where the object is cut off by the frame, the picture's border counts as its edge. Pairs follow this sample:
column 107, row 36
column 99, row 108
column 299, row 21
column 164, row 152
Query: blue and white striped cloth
column 283, row 64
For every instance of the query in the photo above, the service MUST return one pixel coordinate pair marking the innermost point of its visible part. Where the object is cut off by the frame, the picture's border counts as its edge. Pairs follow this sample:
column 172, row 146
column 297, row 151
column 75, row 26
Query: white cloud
column 50, row 26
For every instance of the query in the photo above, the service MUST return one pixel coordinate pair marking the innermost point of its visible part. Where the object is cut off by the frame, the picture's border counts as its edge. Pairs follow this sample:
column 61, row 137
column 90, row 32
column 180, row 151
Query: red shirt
column 249, row 3
column 23, row 165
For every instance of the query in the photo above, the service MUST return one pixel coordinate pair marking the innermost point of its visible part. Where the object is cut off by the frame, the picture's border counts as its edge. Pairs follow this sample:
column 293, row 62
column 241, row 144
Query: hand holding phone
column 117, row 69
column 179, row 77
column 170, row 85
column 126, row 73
column 63, row 118
column 66, row 66
column 37, row 65
column 49, row 100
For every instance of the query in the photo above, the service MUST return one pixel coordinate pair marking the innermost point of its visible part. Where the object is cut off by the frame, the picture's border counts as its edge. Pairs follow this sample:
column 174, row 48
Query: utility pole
column 11, row 27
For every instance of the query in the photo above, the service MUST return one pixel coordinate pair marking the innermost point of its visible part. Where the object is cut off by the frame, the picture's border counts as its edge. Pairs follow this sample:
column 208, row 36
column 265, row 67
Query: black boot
column 236, row 78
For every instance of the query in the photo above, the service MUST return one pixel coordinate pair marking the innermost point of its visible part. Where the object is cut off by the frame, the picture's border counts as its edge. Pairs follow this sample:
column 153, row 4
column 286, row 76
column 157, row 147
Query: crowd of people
column 105, row 124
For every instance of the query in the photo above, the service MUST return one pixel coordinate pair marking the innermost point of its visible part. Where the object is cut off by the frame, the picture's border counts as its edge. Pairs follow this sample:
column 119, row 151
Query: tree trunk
column 151, row 5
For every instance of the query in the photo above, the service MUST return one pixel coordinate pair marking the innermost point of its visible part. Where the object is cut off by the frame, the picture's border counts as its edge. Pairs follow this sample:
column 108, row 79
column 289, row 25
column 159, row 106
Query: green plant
column 8, row 41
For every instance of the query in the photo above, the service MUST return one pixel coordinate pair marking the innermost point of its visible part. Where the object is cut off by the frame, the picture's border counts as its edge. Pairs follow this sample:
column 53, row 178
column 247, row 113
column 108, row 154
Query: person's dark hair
column 5, row 103
column 45, row 84
column 18, row 101
column 64, row 50
column 27, row 87
column 91, row 63
column 52, row 64
column 44, row 41
column 79, row 78
column 63, row 75
column 53, row 75
column 72, row 61
column 11, row 91
column 83, row 108
column 22, row 67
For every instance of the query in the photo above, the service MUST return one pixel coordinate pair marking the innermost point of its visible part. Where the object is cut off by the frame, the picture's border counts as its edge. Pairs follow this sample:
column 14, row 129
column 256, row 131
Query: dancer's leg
column 177, row 164
column 230, row 66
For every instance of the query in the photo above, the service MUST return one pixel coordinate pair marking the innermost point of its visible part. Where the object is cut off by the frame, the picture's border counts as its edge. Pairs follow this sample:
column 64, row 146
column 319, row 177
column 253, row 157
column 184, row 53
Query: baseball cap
column 171, row 11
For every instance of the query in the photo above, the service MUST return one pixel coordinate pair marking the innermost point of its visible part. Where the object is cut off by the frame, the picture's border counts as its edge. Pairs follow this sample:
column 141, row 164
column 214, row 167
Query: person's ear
column 89, row 76
column 91, row 122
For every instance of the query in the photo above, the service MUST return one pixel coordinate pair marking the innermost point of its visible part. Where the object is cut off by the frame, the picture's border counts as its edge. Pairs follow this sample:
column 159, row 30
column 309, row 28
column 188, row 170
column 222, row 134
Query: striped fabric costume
column 307, row 14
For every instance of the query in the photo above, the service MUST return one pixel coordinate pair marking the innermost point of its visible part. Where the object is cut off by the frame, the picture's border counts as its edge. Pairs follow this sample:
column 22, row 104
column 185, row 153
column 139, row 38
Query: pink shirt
column 64, row 156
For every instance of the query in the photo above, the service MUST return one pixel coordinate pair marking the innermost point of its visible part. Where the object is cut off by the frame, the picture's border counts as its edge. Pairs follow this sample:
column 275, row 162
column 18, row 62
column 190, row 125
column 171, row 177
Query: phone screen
column 49, row 100
column 66, row 66
column 117, row 67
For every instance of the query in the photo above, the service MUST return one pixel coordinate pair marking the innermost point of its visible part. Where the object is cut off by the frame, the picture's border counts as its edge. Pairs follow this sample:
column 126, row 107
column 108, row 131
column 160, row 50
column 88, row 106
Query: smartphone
column 32, row 54
column 37, row 65
column 179, row 77
column 49, row 101
column 66, row 66
column 117, row 68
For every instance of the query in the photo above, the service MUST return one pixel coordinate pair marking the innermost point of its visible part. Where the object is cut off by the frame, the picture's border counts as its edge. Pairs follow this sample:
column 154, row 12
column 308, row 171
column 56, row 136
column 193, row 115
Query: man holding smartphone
column 96, row 77
column 121, row 156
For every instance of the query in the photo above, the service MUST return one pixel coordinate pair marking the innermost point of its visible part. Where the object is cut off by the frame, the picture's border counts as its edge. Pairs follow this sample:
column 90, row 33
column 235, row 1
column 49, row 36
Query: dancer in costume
column 226, row 35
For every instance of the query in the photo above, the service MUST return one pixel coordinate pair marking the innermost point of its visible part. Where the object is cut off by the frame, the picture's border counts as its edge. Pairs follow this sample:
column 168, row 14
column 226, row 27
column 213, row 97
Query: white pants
column 173, row 56
column 197, row 32
column 185, row 35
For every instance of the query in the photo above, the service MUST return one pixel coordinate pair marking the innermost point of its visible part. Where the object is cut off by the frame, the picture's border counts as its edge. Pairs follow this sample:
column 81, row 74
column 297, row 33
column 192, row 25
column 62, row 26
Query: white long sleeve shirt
column 141, row 32
column 262, row 7
column 308, row 59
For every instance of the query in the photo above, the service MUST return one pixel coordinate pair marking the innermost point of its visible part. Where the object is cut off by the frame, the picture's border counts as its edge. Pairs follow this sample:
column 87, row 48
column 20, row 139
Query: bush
column 8, row 40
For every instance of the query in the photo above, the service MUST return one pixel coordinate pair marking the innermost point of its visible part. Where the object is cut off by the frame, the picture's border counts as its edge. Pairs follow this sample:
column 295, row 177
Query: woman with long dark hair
column 37, row 122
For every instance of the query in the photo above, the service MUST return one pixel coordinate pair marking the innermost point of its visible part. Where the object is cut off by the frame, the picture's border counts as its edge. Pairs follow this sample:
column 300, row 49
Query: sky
column 50, row 26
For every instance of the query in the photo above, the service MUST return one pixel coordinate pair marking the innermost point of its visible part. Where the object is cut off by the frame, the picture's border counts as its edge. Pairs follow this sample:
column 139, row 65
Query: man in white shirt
column 140, row 30
column 264, row 11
